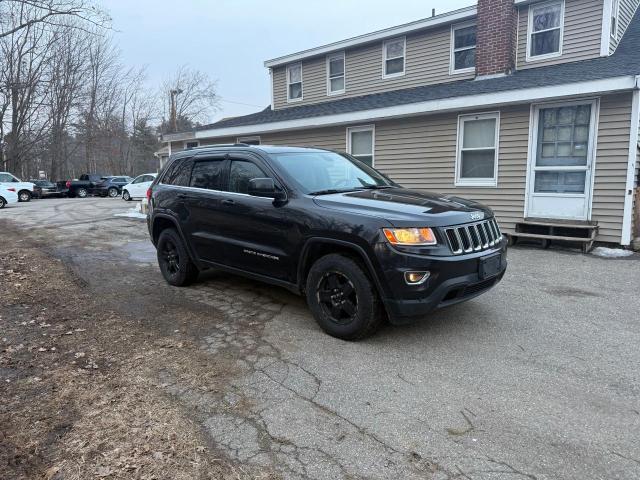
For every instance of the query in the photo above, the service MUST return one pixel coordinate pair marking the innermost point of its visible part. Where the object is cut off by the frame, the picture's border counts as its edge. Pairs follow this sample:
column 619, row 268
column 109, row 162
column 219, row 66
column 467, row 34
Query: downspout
column 627, row 219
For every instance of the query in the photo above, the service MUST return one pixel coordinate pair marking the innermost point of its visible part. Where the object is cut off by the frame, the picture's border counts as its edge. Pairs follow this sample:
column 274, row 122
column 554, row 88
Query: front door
column 561, row 161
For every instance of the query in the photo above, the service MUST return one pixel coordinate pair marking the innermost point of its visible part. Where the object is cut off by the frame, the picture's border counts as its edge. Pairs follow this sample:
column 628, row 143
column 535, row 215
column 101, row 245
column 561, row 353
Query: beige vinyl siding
column 611, row 165
column 582, row 32
column 627, row 11
column 426, row 62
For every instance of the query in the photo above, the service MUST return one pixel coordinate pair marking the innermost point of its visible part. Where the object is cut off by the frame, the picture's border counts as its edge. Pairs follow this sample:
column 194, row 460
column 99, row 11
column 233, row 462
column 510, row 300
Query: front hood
column 402, row 207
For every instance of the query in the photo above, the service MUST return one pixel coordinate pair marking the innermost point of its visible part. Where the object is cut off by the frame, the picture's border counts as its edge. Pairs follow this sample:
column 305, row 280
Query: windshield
column 328, row 172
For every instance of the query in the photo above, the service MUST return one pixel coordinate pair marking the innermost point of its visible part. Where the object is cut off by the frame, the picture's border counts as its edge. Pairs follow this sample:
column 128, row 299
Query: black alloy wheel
column 174, row 261
column 342, row 297
column 337, row 296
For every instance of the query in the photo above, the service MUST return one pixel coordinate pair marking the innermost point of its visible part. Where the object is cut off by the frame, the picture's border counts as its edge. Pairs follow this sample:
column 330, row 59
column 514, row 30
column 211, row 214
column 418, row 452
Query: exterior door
column 561, row 161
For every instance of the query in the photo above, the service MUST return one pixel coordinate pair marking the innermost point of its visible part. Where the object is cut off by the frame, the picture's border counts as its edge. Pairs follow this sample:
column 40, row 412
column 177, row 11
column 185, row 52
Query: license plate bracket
column 490, row 266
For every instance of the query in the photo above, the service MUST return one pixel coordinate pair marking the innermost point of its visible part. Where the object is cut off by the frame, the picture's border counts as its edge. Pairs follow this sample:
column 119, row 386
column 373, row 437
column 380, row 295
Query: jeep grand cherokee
column 322, row 224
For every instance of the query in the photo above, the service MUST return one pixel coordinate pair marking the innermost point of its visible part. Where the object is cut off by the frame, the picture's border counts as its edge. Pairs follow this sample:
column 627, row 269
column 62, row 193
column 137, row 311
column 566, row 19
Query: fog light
column 416, row 278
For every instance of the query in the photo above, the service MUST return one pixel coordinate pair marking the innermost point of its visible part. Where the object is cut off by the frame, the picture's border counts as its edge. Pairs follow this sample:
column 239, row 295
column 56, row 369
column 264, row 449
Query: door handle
column 228, row 202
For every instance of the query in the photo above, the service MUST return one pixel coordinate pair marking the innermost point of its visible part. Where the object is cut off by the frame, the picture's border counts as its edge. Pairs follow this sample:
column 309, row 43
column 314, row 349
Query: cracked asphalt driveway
column 537, row 379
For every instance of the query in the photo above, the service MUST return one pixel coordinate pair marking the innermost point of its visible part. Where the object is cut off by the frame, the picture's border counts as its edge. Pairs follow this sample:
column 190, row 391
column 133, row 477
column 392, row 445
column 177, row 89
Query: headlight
column 414, row 237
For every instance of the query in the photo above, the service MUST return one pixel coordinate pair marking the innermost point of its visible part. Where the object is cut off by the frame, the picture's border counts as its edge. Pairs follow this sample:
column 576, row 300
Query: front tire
column 174, row 261
column 3, row 202
column 82, row 192
column 24, row 195
column 125, row 196
column 112, row 192
column 342, row 298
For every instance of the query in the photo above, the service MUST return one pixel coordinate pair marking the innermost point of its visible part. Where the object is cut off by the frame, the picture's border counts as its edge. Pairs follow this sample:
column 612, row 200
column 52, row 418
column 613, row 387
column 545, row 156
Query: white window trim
column 293, row 100
column 344, row 73
column 452, row 58
column 384, row 58
column 184, row 144
column 477, row 182
column 615, row 13
column 363, row 128
column 537, row 58
column 250, row 138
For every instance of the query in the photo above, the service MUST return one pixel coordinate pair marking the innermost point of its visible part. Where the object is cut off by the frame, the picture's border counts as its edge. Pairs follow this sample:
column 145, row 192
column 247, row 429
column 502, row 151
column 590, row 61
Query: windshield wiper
column 329, row 191
column 375, row 187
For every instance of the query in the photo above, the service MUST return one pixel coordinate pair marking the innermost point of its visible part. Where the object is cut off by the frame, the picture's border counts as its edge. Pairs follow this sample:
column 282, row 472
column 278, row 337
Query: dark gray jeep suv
column 322, row 224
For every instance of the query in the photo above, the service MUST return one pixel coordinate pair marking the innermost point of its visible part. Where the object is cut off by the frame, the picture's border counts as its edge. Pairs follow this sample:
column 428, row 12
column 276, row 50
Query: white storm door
column 561, row 162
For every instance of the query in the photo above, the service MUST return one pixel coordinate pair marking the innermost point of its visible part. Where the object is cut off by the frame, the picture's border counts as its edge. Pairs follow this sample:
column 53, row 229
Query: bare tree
column 190, row 98
column 49, row 13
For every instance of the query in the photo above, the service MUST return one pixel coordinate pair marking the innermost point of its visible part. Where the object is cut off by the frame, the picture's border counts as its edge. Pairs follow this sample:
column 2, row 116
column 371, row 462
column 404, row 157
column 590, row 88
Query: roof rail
column 219, row 145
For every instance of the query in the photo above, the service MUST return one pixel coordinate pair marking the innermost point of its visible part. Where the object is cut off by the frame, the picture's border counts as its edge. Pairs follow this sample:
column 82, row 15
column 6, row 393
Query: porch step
column 548, row 230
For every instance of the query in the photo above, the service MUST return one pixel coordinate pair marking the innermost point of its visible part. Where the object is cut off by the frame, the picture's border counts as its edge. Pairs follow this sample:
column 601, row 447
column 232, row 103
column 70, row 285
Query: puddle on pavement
column 141, row 252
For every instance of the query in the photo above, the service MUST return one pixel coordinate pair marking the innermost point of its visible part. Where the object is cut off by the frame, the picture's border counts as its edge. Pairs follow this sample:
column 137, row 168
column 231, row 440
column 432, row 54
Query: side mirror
column 265, row 187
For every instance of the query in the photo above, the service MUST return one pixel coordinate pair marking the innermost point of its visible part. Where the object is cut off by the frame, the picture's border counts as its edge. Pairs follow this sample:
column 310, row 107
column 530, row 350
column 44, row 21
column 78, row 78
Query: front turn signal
column 411, row 237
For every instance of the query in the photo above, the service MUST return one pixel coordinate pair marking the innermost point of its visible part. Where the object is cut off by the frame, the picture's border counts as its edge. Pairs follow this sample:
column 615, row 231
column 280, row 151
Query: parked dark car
column 47, row 189
column 82, row 186
column 110, row 186
column 325, row 225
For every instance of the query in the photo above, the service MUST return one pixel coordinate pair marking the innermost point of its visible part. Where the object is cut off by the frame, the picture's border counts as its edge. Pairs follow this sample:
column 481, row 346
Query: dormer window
column 335, row 74
column 393, row 55
column 294, row 82
column 615, row 13
column 546, row 26
column 463, row 48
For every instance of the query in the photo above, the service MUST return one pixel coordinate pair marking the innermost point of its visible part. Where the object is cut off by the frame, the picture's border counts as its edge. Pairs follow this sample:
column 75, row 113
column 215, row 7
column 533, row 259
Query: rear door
column 255, row 232
column 203, row 203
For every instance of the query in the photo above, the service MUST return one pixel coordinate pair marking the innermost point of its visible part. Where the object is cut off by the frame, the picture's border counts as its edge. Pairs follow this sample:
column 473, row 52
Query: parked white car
column 24, row 189
column 7, row 195
column 138, row 187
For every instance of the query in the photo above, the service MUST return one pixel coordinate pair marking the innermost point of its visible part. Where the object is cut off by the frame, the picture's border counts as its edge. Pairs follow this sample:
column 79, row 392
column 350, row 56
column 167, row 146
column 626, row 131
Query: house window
column 393, row 55
column 189, row 145
column 615, row 12
column 463, row 48
column 360, row 143
column 477, row 150
column 546, row 26
column 335, row 74
column 294, row 82
column 254, row 140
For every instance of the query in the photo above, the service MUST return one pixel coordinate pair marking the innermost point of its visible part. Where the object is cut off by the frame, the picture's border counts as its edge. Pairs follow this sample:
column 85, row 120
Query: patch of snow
column 132, row 213
column 605, row 252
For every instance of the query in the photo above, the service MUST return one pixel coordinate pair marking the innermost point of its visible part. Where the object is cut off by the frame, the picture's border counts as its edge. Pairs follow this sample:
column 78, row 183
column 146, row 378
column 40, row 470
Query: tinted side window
column 240, row 174
column 207, row 174
column 180, row 174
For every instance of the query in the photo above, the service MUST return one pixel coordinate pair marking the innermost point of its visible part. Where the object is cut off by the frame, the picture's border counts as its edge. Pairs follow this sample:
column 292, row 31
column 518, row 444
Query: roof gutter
column 461, row 103
column 438, row 20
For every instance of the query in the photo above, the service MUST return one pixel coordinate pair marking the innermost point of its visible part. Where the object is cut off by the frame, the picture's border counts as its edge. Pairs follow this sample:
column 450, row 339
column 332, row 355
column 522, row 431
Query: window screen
column 207, row 174
column 241, row 173
column 546, row 26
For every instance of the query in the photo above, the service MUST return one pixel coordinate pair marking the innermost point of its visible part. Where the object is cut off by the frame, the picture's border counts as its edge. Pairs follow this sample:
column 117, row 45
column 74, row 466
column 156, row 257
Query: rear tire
column 174, row 260
column 342, row 298
column 24, row 195
column 125, row 196
column 81, row 192
column 112, row 192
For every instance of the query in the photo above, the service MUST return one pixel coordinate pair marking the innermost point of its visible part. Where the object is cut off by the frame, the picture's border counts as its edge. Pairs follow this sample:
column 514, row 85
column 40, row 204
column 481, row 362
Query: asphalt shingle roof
column 625, row 61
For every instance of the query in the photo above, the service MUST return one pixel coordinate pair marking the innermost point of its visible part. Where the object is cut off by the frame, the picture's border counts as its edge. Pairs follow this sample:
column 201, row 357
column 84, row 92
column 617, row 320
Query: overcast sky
column 230, row 39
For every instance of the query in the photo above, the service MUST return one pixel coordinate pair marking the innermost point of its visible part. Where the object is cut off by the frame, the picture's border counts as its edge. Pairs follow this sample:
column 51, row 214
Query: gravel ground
column 537, row 379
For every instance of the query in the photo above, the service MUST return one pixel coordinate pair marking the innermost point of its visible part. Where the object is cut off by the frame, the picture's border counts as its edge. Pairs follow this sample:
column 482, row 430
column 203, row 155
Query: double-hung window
column 294, row 82
column 463, row 48
column 546, row 27
column 393, row 57
column 335, row 74
column 477, row 150
column 615, row 14
column 360, row 143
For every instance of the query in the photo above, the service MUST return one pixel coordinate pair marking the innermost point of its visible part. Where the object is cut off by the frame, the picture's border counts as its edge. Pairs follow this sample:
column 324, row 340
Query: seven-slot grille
column 473, row 237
